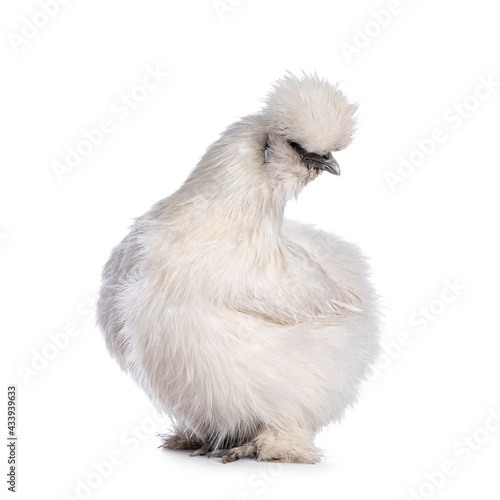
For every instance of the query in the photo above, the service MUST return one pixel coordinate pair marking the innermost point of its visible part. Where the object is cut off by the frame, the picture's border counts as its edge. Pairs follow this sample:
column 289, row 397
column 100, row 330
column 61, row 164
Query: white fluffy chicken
column 250, row 331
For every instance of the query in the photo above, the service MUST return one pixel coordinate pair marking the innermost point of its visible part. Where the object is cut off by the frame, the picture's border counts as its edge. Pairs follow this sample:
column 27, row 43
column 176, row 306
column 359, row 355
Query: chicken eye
column 304, row 153
column 298, row 148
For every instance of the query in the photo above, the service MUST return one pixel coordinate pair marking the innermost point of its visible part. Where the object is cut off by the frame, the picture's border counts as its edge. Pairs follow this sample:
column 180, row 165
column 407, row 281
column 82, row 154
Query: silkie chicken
column 251, row 332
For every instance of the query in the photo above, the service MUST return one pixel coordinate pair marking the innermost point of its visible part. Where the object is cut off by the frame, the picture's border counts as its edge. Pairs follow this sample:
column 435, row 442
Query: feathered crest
column 312, row 112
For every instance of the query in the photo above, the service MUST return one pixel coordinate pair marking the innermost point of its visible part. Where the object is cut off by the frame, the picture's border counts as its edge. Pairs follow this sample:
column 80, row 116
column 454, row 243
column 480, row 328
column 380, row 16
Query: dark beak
column 329, row 163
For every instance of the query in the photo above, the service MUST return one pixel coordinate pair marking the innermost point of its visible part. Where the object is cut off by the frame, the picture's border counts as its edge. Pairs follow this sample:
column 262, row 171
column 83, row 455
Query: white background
column 430, row 401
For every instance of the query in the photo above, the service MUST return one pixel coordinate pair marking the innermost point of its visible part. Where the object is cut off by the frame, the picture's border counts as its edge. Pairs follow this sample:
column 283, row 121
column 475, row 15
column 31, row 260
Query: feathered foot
column 292, row 446
column 180, row 441
column 232, row 454
column 271, row 445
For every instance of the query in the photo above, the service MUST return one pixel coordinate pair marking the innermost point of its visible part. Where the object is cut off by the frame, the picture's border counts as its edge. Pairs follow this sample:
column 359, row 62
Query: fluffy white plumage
column 248, row 330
